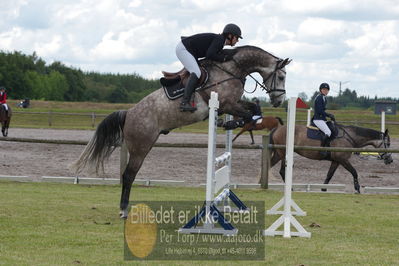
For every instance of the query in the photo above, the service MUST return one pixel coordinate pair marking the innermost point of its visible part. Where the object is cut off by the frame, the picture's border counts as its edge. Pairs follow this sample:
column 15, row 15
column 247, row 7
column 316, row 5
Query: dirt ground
column 189, row 164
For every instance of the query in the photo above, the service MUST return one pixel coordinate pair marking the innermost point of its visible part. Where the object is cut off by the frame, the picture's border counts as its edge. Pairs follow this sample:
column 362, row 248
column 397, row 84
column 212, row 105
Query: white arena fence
column 95, row 118
column 265, row 161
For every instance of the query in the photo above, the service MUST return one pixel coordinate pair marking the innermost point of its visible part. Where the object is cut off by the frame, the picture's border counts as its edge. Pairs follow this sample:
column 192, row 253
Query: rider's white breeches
column 5, row 106
column 321, row 124
column 187, row 59
column 256, row 117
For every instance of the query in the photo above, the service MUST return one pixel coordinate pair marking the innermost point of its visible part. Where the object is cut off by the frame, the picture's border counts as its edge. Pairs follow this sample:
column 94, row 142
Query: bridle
column 386, row 141
column 272, row 76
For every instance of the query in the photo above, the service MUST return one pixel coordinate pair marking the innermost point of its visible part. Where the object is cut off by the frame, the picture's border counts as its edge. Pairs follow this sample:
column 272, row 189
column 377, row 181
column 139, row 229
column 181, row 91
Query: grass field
column 52, row 114
column 61, row 224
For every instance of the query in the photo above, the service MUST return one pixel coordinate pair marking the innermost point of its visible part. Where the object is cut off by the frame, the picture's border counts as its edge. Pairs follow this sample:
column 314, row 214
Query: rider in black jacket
column 203, row 45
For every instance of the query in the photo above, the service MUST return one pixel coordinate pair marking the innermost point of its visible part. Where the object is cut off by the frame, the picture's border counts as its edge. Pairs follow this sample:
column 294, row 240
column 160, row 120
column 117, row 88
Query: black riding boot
column 185, row 105
column 325, row 142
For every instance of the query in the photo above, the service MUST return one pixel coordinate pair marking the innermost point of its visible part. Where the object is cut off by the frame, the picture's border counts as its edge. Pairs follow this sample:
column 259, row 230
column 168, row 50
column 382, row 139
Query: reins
column 353, row 142
column 272, row 75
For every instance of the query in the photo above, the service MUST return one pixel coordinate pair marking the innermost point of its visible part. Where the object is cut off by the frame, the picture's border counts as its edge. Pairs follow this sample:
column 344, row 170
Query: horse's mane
column 364, row 132
column 245, row 47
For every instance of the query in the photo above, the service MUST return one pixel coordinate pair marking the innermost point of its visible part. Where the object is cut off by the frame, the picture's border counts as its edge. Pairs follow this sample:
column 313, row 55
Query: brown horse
column 155, row 114
column 5, row 118
column 268, row 122
column 348, row 136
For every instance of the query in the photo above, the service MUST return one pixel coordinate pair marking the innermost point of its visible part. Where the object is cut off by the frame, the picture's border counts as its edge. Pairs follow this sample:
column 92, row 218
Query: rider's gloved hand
column 331, row 116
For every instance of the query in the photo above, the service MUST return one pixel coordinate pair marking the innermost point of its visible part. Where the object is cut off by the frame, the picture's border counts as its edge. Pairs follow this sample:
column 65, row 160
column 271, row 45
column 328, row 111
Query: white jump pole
column 215, row 181
column 382, row 121
column 287, row 217
column 213, row 106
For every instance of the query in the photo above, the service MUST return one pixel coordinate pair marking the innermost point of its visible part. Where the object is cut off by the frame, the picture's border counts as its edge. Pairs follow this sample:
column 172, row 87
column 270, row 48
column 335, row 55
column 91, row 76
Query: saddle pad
column 314, row 133
column 174, row 88
column 175, row 91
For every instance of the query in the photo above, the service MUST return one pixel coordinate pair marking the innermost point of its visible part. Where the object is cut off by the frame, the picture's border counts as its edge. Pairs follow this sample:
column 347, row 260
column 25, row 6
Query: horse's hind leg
column 136, row 159
column 239, row 133
column 333, row 167
column 348, row 166
column 6, row 127
column 282, row 169
column 252, row 137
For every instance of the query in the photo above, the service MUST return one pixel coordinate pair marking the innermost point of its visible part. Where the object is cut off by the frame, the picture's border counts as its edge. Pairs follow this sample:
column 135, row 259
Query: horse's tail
column 107, row 137
column 280, row 120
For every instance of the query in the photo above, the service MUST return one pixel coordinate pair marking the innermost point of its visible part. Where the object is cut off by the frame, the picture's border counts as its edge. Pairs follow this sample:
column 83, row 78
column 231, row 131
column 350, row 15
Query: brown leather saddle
column 174, row 83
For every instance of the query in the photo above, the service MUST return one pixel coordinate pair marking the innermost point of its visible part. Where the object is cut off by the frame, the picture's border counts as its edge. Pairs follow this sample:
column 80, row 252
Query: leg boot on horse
column 185, row 105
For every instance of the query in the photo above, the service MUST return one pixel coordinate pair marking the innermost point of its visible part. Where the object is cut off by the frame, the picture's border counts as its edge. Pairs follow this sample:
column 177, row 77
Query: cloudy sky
column 355, row 42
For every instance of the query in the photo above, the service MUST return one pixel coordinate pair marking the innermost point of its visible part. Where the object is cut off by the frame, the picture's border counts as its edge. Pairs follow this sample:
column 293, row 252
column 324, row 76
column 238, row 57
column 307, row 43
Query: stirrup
column 187, row 107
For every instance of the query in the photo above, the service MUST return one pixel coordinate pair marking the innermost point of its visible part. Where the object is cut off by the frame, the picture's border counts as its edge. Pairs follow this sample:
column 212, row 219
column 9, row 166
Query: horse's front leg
column 348, row 166
column 237, row 109
column 333, row 167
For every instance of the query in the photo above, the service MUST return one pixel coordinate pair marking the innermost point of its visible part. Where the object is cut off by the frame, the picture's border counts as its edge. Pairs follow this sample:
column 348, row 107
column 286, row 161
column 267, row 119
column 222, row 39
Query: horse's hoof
column 324, row 189
column 357, row 191
column 123, row 214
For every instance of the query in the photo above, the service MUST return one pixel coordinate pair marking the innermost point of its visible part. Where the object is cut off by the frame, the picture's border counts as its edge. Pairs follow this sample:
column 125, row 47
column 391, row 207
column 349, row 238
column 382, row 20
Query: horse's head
column 386, row 142
column 249, row 59
column 274, row 81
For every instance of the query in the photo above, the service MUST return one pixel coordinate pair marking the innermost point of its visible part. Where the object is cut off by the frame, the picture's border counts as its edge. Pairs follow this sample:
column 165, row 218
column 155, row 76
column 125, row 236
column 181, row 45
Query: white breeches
column 5, row 106
column 187, row 59
column 256, row 117
column 321, row 124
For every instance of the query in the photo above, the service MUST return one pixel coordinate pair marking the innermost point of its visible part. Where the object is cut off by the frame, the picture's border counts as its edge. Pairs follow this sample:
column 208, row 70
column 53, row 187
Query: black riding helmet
column 232, row 29
column 324, row 86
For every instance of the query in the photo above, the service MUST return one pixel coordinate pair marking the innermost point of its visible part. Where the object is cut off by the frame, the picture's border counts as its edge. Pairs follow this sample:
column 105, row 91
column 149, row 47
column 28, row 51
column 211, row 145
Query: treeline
column 345, row 99
column 28, row 76
column 349, row 99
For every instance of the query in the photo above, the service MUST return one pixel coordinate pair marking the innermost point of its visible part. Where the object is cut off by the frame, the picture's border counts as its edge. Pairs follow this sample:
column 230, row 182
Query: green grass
column 60, row 224
column 59, row 121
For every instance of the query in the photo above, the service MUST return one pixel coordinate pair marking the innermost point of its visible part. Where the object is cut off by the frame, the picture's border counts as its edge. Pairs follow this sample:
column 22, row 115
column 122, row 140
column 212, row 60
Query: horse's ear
column 386, row 132
column 285, row 62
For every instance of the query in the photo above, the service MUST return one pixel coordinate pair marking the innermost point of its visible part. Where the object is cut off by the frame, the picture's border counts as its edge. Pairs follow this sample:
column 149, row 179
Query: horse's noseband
column 273, row 76
column 387, row 157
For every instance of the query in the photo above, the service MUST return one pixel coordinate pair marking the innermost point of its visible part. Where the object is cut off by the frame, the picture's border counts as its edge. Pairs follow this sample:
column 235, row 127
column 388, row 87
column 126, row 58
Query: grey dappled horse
column 155, row 114
column 348, row 136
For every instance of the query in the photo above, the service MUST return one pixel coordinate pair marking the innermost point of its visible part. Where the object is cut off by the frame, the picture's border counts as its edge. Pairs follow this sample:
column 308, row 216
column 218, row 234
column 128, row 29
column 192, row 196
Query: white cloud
column 330, row 40
column 376, row 40
column 320, row 28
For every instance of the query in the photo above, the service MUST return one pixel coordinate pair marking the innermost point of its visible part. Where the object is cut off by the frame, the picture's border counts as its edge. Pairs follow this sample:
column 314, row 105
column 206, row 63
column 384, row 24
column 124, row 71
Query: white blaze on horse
column 156, row 114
